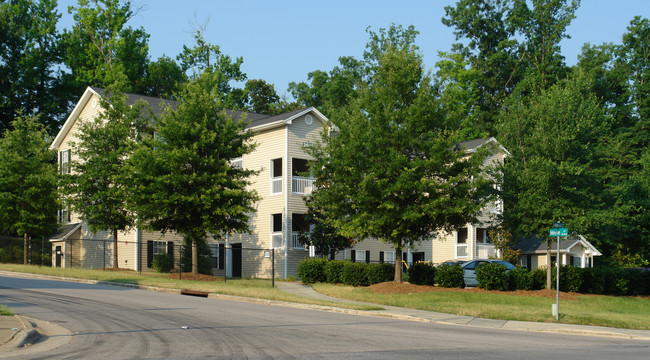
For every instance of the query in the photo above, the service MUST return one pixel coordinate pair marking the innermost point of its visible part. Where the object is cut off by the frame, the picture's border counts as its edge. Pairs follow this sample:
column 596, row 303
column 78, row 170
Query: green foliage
column 379, row 273
column 392, row 172
column 550, row 174
column 98, row 185
column 101, row 45
column 182, row 178
column 538, row 278
column 570, row 278
column 492, row 276
column 164, row 77
column 28, row 180
column 163, row 263
column 333, row 270
column 31, row 55
column 422, row 274
column 354, row 274
column 323, row 236
column 450, row 276
column 519, row 279
column 312, row 270
column 5, row 311
column 203, row 252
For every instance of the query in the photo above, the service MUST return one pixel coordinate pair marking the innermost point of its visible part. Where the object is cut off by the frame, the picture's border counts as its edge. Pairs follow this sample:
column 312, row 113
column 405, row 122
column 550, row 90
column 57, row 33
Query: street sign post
column 557, row 231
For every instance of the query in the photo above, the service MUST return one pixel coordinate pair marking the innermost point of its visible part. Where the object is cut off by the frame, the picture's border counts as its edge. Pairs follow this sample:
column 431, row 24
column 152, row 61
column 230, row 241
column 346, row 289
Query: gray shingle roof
column 535, row 244
column 252, row 119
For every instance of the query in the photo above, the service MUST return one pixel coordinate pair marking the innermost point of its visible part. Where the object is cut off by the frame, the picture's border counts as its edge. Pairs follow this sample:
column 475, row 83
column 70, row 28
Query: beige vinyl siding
column 444, row 247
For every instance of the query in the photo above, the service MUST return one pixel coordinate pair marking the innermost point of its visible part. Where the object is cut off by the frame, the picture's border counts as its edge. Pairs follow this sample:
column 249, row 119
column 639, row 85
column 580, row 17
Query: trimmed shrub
column 333, row 271
column 637, row 281
column 592, row 282
column 354, row 274
column 422, row 274
column 312, row 270
column 450, row 276
column 492, row 276
column 571, row 278
column 519, row 279
column 538, row 279
column 379, row 273
column 163, row 263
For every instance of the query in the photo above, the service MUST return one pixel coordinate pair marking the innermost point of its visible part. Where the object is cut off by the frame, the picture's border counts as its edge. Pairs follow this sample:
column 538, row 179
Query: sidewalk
column 436, row 317
column 15, row 332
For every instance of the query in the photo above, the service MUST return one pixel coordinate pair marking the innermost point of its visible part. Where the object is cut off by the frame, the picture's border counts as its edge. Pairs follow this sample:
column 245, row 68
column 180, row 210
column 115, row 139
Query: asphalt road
column 121, row 323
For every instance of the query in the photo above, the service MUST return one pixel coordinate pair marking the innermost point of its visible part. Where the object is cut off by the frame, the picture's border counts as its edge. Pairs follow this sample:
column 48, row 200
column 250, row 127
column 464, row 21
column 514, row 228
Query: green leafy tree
column 260, row 96
column 28, row 180
column 163, row 78
column 30, row 53
column 323, row 236
column 504, row 43
column 330, row 91
column 206, row 57
column 101, row 45
column 203, row 251
column 551, row 174
column 182, row 178
column 393, row 171
column 98, row 187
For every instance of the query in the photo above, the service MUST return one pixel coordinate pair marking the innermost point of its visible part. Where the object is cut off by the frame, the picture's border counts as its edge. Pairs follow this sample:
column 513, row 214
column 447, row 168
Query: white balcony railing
column 295, row 243
column 276, row 185
column 302, row 185
column 486, row 251
column 461, row 251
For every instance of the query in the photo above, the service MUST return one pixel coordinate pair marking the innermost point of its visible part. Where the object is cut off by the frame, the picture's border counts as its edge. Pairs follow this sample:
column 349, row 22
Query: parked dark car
column 469, row 268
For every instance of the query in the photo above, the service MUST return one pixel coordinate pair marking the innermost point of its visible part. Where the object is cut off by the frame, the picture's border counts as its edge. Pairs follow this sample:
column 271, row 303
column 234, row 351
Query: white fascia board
column 289, row 120
column 494, row 141
column 74, row 115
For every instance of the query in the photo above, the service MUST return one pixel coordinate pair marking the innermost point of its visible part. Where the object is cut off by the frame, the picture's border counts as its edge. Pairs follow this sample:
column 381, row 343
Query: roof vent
column 309, row 120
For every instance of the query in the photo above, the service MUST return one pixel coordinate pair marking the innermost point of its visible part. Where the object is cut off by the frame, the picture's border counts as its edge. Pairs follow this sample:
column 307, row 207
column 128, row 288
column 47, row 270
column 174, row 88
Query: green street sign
column 558, row 225
column 558, row 232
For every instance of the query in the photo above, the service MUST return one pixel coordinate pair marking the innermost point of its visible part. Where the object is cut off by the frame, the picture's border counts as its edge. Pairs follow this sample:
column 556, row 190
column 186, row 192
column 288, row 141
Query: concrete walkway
column 436, row 317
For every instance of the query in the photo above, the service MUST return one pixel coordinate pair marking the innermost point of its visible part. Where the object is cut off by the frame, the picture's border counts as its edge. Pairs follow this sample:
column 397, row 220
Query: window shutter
column 381, row 257
column 222, row 253
column 353, row 255
column 149, row 253
column 367, row 256
column 528, row 260
column 170, row 250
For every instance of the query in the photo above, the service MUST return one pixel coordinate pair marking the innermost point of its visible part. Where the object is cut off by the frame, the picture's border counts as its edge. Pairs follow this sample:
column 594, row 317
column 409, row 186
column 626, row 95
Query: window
column 64, row 215
column 276, row 176
column 299, row 167
column 576, row 261
column 482, row 236
column 301, row 182
column 158, row 248
column 388, row 256
column 237, row 163
column 461, row 243
column 360, row 256
column 276, row 230
column 64, row 161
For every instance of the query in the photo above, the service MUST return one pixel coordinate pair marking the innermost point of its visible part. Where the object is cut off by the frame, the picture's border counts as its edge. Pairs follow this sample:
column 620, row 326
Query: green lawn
column 611, row 311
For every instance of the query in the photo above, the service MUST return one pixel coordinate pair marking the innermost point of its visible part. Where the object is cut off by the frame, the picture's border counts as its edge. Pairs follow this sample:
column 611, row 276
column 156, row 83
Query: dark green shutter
column 149, row 253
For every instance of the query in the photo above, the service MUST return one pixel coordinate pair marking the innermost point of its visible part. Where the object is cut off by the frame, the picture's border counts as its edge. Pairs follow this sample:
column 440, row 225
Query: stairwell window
column 64, row 161
column 276, row 176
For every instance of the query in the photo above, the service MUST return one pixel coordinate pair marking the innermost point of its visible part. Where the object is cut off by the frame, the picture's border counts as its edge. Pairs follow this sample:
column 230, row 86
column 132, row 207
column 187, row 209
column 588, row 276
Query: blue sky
column 282, row 41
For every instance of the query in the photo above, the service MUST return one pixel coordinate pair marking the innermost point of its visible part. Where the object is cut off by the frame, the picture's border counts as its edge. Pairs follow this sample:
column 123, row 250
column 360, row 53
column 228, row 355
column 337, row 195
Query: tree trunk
column 195, row 257
column 115, row 249
column 549, row 279
column 398, row 264
column 25, row 249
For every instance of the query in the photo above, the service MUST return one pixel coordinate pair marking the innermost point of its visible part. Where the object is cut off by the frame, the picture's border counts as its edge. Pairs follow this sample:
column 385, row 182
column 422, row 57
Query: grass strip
column 597, row 310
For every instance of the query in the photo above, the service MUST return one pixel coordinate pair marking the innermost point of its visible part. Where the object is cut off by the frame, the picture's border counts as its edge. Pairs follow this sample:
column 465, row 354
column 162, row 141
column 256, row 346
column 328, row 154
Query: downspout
column 136, row 251
column 286, row 202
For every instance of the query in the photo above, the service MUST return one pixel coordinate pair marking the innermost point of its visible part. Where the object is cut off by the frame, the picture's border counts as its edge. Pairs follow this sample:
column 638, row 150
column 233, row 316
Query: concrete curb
column 25, row 336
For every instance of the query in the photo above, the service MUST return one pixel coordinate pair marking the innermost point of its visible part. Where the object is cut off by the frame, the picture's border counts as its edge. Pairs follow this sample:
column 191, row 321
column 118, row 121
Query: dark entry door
column 236, row 260
column 57, row 257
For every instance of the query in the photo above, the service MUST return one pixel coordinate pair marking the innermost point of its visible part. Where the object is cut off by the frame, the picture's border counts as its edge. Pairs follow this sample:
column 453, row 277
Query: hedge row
column 313, row 270
column 445, row 275
column 599, row 280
